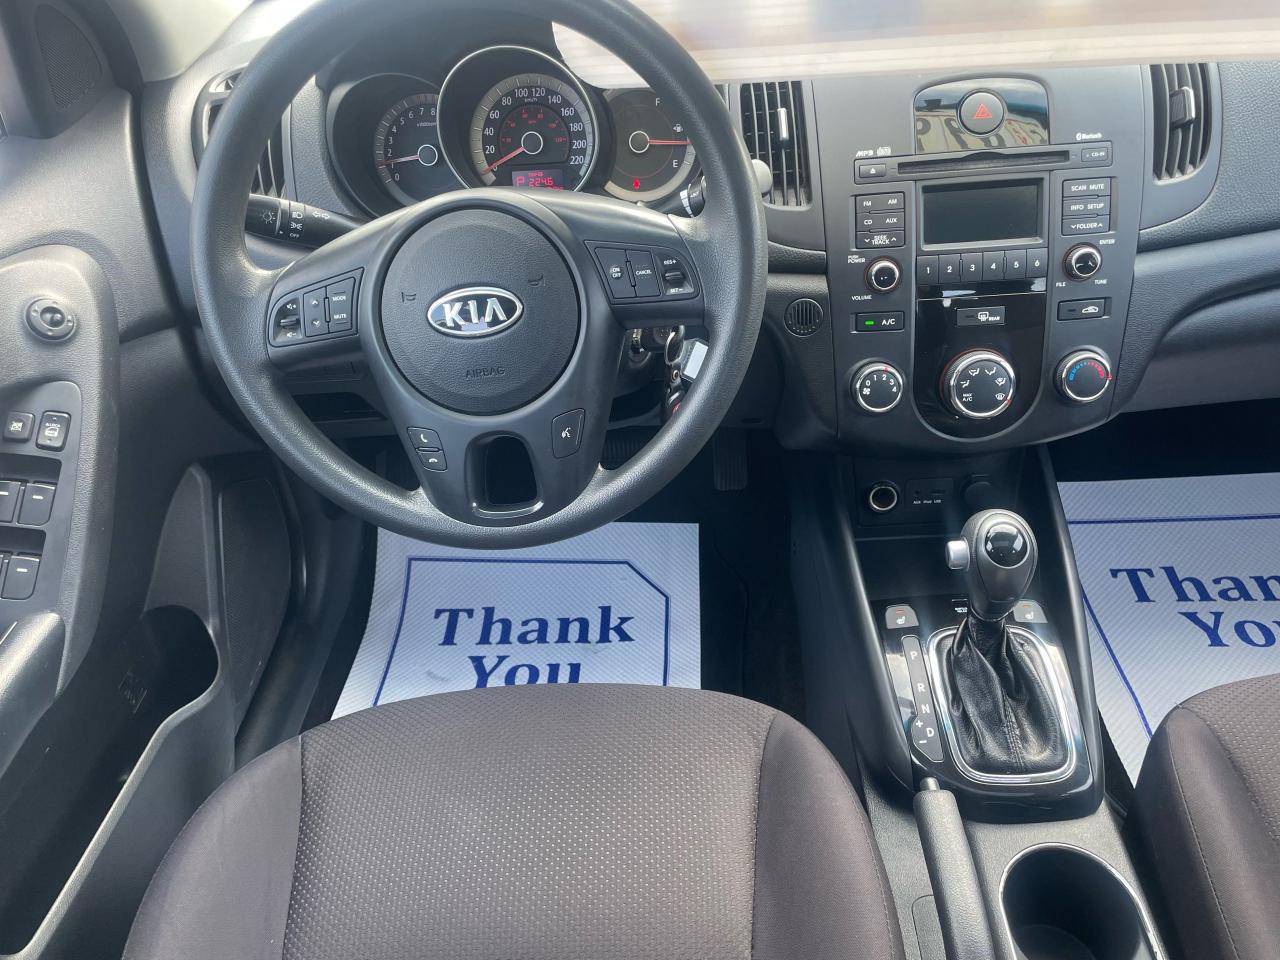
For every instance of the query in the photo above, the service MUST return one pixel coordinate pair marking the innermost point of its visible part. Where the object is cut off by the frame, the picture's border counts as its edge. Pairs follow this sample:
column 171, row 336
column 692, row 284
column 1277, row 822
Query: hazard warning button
column 981, row 113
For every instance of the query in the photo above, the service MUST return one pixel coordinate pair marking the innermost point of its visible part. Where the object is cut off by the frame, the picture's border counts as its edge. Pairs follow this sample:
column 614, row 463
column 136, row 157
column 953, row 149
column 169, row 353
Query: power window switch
column 20, row 578
column 53, row 431
column 37, row 504
column 9, row 493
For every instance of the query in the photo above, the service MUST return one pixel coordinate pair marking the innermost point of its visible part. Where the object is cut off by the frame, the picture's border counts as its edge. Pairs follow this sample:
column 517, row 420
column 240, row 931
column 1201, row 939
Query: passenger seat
column 1208, row 814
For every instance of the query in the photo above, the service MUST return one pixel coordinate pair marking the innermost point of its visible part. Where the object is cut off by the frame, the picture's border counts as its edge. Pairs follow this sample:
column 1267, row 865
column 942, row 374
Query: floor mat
column 1181, row 579
column 617, row 605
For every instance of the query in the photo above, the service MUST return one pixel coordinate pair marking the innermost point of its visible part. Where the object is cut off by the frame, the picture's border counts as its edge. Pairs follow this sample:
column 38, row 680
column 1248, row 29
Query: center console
column 981, row 236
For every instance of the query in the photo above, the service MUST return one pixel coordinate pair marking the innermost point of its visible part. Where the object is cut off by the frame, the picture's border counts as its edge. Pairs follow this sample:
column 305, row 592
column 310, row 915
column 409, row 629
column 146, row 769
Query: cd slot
column 986, row 160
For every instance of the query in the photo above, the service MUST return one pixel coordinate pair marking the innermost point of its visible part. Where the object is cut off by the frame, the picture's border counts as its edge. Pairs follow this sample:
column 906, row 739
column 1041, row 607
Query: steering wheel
column 481, row 314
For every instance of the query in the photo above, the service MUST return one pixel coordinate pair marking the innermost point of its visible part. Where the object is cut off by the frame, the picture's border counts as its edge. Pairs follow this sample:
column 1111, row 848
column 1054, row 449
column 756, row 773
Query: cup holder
column 1061, row 903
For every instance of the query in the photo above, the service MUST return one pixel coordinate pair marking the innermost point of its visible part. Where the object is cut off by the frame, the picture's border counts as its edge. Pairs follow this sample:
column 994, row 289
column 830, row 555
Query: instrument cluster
column 506, row 116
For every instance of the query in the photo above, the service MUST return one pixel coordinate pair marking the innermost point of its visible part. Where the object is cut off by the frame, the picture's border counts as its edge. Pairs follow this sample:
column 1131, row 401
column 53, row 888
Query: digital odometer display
column 533, row 131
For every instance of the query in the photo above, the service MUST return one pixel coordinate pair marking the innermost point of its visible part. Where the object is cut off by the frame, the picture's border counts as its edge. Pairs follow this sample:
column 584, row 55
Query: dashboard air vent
column 1180, row 96
column 268, row 178
column 773, row 125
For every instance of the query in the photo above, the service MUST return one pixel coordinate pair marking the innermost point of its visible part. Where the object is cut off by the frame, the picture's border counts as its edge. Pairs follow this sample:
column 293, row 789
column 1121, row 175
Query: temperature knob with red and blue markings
column 1084, row 376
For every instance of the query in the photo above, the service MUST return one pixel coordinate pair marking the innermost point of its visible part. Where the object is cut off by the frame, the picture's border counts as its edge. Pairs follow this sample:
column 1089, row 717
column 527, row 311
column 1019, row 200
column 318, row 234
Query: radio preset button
column 949, row 267
column 971, row 267
column 993, row 265
column 1038, row 262
column 1015, row 264
column 927, row 270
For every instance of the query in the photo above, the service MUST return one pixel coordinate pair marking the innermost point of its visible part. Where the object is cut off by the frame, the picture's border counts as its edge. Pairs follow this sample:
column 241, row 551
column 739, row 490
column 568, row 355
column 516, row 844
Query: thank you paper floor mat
column 617, row 605
column 1182, row 591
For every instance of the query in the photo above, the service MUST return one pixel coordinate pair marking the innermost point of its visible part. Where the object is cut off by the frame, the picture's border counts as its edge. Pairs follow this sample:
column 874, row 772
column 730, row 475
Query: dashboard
column 503, row 115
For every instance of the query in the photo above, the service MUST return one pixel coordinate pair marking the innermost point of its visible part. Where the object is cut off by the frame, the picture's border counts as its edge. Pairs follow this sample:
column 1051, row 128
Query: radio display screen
column 981, row 212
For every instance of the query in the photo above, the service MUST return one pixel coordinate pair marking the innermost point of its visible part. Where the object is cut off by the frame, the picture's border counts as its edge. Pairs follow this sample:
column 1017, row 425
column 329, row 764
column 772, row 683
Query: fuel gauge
column 652, row 152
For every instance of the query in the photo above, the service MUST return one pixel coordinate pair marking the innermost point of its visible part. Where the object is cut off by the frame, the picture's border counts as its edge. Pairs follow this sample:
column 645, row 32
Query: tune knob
column 884, row 275
column 877, row 387
column 1082, row 261
column 1083, row 376
column 979, row 384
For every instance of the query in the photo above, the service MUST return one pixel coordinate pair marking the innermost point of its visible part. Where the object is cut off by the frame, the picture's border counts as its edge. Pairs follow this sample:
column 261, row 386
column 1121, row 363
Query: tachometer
column 406, row 150
column 652, row 152
column 533, row 130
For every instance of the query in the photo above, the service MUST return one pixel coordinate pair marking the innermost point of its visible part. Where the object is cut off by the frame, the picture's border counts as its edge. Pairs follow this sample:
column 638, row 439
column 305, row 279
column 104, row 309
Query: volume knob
column 884, row 275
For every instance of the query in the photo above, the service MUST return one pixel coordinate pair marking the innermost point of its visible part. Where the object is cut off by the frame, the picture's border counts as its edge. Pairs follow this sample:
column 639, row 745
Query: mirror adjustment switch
column 37, row 504
column 9, row 492
column 20, row 578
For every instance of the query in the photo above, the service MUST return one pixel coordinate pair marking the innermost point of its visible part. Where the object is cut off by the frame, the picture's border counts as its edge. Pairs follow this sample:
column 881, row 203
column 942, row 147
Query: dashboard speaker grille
column 773, row 125
column 70, row 61
column 1180, row 97
column 803, row 317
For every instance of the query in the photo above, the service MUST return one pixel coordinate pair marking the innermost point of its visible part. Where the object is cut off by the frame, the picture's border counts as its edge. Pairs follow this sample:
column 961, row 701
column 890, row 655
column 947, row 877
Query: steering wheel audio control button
column 433, row 460
column 424, row 439
column 566, row 433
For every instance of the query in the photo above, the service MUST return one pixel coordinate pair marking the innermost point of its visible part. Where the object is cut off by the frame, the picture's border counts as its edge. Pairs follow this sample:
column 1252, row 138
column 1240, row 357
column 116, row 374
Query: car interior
column 614, row 479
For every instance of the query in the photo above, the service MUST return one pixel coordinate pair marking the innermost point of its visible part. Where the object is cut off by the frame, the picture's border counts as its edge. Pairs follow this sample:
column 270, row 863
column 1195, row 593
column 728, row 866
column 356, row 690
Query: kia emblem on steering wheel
column 475, row 311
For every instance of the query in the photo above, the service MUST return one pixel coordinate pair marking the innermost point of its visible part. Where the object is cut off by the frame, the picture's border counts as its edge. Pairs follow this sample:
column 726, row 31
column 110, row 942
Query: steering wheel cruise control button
column 614, row 264
column 644, row 273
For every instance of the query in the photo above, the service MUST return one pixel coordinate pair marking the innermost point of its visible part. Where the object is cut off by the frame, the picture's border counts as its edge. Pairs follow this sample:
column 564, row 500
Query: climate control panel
column 994, row 261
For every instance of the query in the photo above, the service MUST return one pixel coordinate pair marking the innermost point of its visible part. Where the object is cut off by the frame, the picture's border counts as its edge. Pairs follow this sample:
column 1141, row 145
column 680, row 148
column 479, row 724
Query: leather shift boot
column 1002, row 706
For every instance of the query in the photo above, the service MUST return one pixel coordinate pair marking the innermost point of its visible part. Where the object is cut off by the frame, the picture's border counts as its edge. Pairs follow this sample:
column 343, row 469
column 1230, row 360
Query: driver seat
column 535, row 822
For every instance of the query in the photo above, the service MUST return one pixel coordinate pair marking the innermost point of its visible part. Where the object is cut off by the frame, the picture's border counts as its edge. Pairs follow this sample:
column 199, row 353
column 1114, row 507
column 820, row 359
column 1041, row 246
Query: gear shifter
column 1003, row 710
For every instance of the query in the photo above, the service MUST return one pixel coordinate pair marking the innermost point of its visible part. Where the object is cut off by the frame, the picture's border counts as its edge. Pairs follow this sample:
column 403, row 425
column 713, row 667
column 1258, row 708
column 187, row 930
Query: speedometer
column 533, row 130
